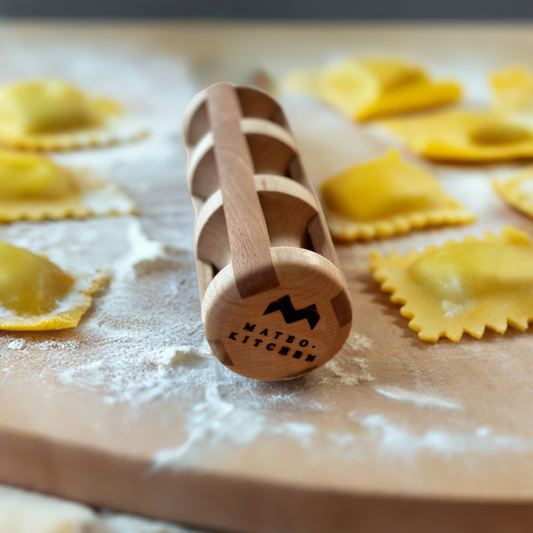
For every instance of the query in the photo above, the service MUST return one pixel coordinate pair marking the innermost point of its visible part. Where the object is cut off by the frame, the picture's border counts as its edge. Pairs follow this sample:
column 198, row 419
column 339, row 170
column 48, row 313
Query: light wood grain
column 247, row 231
column 260, row 229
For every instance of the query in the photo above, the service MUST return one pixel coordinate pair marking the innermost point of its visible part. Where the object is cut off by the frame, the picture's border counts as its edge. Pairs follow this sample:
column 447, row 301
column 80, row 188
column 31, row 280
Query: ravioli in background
column 512, row 90
column 36, row 294
column 54, row 115
column 517, row 190
column 32, row 187
column 465, row 136
column 465, row 286
column 365, row 89
column 384, row 197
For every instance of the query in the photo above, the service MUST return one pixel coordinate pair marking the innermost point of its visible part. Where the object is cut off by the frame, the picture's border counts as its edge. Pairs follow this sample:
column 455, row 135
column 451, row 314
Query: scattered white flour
column 453, row 286
column 483, row 432
column 340, row 439
column 394, row 440
column 108, row 199
column 48, row 345
column 217, row 424
column 181, row 355
column 453, row 309
column 347, row 377
column 417, row 398
column 159, row 374
column 249, row 410
column 17, row 344
column 344, row 369
column 299, row 431
column 357, row 341
column 141, row 249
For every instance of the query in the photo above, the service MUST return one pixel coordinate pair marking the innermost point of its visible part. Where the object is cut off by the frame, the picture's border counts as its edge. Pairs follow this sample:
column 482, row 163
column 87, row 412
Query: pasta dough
column 366, row 89
column 22, row 511
column 462, row 286
column 512, row 90
column 465, row 136
column 29, row 512
column 517, row 190
column 31, row 177
column 33, row 187
column 384, row 197
column 55, row 115
column 36, row 294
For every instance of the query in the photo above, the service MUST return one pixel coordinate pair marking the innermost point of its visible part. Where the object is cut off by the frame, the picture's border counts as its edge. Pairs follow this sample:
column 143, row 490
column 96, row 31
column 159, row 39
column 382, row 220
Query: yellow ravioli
column 512, row 90
column 384, row 197
column 34, row 188
column 36, row 294
column 465, row 136
column 369, row 88
column 31, row 177
column 54, row 115
column 462, row 286
column 517, row 190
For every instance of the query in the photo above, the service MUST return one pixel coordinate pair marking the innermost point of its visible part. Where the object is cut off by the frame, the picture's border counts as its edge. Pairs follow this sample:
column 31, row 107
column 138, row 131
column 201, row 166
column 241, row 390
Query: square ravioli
column 465, row 136
column 369, row 88
column 32, row 187
column 465, row 286
column 384, row 197
column 55, row 115
column 35, row 294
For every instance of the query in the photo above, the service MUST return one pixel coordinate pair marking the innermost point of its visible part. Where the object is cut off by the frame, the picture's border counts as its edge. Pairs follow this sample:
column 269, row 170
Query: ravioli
column 32, row 187
column 384, row 197
column 465, row 286
column 365, row 89
column 517, row 190
column 22, row 511
column 54, row 115
column 465, row 136
column 36, row 294
column 512, row 90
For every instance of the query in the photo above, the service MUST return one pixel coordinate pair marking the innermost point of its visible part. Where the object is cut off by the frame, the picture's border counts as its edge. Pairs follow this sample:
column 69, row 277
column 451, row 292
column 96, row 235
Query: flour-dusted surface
column 135, row 388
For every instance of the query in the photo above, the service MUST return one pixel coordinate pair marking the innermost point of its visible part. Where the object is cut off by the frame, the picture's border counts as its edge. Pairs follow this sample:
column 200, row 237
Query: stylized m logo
column 290, row 314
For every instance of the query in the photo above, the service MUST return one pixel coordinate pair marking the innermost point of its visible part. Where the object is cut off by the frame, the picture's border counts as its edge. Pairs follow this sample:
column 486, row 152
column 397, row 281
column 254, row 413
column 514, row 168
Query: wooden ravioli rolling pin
column 274, row 300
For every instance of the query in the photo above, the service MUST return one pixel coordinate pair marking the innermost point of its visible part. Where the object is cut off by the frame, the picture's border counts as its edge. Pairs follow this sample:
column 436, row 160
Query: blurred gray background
column 274, row 9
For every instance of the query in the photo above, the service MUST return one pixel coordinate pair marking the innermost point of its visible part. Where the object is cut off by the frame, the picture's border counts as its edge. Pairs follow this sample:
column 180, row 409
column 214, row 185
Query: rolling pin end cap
column 285, row 331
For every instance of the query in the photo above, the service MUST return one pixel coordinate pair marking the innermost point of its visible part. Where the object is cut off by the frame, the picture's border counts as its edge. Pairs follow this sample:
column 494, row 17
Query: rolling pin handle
column 249, row 243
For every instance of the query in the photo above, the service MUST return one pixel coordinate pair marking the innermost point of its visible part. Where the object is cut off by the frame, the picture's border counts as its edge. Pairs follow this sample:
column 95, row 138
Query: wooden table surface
column 395, row 434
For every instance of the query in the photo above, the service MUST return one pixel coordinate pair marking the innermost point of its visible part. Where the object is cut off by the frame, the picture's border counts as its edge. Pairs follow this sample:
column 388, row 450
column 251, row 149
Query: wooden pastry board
column 394, row 435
